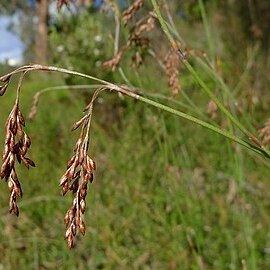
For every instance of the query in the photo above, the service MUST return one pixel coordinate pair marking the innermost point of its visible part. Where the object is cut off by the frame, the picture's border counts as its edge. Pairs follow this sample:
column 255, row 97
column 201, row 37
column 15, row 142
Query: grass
column 167, row 194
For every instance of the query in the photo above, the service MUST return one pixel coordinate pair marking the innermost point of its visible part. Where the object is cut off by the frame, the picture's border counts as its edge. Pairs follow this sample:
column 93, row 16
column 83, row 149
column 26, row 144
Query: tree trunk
column 42, row 32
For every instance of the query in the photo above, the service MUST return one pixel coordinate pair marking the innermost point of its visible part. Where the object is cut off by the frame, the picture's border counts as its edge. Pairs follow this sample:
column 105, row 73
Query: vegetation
column 167, row 194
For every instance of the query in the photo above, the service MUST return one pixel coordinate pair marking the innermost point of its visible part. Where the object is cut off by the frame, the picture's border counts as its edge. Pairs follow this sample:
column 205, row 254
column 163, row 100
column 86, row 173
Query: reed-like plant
column 80, row 168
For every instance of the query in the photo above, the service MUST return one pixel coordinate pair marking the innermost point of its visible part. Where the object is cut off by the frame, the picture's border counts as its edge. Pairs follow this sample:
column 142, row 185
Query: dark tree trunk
column 42, row 32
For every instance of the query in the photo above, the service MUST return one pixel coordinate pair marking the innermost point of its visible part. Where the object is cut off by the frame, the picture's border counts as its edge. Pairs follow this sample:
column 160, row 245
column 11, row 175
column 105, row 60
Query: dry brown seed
column 12, row 143
column 16, row 210
column 11, row 161
column 68, row 232
column 63, row 180
column 82, row 206
column 77, row 219
column 172, row 64
column 74, row 186
column 91, row 163
column 30, row 162
column 71, row 213
column 5, row 152
column 65, row 189
column 77, row 124
column 10, row 185
column 129, row 13
column 70, row 243
column 21, row 118
column 18, row 191
column 67, row 219
column 3, row 89
column 82, row 227
column 70, row 162
column 27, row 140
column 14, row 175
column 73, row 229
column 25, row 162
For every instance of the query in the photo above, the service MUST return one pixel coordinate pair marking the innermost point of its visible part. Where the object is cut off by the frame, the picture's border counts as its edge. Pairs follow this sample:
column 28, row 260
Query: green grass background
column 167, row 194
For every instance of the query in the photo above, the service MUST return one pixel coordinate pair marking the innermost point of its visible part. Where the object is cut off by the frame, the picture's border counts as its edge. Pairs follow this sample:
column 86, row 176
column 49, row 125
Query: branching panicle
column 172, row 63
column 130, row 12
column 17, row 143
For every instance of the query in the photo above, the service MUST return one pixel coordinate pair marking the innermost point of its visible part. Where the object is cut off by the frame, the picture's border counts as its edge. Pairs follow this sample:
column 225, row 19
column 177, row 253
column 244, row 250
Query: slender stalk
column 205, row 125
column 128, row 92
column 203, row 85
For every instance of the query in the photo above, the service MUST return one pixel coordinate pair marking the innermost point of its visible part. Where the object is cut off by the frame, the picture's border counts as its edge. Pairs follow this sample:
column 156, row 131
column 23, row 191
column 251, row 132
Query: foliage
column 80, row 42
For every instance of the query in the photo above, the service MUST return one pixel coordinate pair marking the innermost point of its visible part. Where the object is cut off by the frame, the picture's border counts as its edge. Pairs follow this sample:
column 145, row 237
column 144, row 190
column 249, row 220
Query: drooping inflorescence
column 17, row 143
column 79, row 173
column 80, row 168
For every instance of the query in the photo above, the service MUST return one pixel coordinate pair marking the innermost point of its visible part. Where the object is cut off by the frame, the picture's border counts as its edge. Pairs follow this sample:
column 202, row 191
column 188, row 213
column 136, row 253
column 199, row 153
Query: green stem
column 213, row 97
column 128, row 92
column 207, row 29
column 196, row 76
column 194, row 73
column 204, row 124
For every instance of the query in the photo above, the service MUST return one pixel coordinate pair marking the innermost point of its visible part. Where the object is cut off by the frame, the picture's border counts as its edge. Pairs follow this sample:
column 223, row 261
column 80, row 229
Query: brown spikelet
column 135, row 40
column 130, row 12
column 79, row 173
column 17, row 143
column 212, row 109
column 5, row 80
column 3, row 89
column 33, row 110
column 264, row 132
column 172, row 70
column 143, row 26
column 115, row 61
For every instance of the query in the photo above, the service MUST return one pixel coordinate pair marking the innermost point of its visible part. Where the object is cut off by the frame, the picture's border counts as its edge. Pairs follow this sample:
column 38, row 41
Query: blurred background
column 167, row 194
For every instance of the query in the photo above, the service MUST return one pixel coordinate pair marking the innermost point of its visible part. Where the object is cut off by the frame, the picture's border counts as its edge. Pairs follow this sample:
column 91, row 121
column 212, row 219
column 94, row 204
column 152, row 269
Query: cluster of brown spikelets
column 17, row 143
column 79, row 171
column 172, row 64
column 136, row 40
column 129, row 13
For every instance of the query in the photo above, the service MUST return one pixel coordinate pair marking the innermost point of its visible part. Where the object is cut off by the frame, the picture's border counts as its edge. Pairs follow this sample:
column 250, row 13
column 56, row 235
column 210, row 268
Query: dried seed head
column 21, row 118
column 3, row 89
column 129, row 13
column 172, row 65
column 33, row 110
column 79, row 172
column 82, row 206
column 10, row 185
column 212, row 109
column 70, row 242
column 17, row 143
column 264, row 132
column 115, row 61
column 82, row 227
